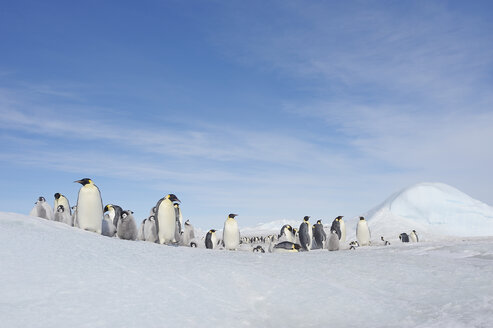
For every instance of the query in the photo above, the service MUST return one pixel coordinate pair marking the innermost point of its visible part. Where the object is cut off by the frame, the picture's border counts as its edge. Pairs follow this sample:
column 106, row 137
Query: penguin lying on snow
column 259, row 249
column 286, row 247
column 385, row 242
column 353, row 245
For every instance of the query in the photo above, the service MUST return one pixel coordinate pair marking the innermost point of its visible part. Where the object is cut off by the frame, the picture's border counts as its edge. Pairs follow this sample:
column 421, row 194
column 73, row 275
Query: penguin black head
column 57, row 195
column 107, row 208
column 41, row 199
column 176, row 204
column 193, row 244
column 187, row 222
column 84, row 181
column 152, row 218
column 339, row 218
column 361, row 218
column 60, row 209
column 381, row 238
column 319, row 221
column 212, row 231
column 173, row 198
column 306, row 218
column 232, row 216
column 154, row 209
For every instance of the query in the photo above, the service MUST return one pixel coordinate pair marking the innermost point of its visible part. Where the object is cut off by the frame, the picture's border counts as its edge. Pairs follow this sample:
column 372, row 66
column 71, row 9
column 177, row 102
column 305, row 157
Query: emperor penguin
column 140, row 234
column 363, row 232
column 74, row 216
column 89, row 206
column 188, row 233
column 61, row 215
column 211, row 239
column 384, row 242
column 62, row 200
column 414, row 236
column 404, row 237
column 42, row 209
column 286, row 247
column 319, row 234
column 166, row 219
column 108, row 228
column 178, row 225
column 306, row 234
column 150, row 233
column 333, row 244
column 114, row 213
column 286, row 233
column 231, row 233
column 127, row 229
column 342, row 226
column 336, row 226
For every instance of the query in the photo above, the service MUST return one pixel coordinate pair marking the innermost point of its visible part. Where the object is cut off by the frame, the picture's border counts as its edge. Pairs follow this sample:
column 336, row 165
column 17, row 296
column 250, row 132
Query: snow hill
column 434, row 210
column 54, row 275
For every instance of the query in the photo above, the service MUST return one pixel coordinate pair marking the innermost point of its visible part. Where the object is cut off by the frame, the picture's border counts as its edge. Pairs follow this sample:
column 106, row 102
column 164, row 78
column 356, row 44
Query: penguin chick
column 333, row 240
column 42, row 209
column 127, row 229
column 61, row 215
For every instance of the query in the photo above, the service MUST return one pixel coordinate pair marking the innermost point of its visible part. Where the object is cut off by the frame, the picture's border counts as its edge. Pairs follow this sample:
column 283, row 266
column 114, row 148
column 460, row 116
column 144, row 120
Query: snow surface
column 54, row 275
column 434, row 210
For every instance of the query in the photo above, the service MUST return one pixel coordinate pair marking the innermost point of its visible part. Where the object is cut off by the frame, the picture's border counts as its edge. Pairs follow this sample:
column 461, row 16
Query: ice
column 54, row 275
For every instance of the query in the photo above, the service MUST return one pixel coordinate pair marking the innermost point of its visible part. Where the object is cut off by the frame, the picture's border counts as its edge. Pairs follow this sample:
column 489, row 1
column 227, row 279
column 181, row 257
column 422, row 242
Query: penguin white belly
column 342, row 225
column 231, row 234
column 363, row 233
column 62, row 201
column 414, row 239
column 90, row 209
column 167, row 220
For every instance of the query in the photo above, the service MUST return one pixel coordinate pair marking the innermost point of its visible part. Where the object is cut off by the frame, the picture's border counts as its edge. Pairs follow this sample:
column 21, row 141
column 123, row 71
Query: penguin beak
column 78, row 181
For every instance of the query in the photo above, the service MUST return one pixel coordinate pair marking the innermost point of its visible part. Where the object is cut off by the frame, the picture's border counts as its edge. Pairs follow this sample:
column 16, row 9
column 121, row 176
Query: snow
column 54, row 275
column 434, row 210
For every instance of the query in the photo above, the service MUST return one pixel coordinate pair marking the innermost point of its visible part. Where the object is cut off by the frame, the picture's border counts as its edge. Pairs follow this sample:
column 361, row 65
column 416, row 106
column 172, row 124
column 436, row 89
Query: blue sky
column 272, row 110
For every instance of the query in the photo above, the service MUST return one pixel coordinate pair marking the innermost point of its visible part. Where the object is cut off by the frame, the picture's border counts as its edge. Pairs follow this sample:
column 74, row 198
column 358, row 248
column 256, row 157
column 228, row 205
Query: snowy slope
column 434, row 210
column 54, row 275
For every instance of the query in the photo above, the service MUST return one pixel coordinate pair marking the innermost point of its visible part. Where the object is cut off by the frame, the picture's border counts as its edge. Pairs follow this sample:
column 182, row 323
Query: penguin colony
column 164, row 225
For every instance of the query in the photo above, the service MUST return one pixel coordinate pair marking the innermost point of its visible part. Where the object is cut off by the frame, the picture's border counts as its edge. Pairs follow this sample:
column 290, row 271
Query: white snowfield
column 54, row 275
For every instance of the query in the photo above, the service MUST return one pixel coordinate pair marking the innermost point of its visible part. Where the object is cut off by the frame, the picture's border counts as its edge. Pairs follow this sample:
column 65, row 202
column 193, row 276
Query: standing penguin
column 286, row 233
column 319, row 234
column 150, row 233
column 342, row 226
column 62, row 200
column 63, row 216
column 363, row 232
column 404, row 237
column 178, row 224
column 108, row 228
column 74, row 216
column 166, row 219
column 127, row 229
column 336, row 226
column 42, row 209
column 231, row 233
column 188, row 233
column 333, row 240
column 305, row 234
column 114, row 212
column 89, row 206
column 211, row 239
column 140, row 234
column 414, row 236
